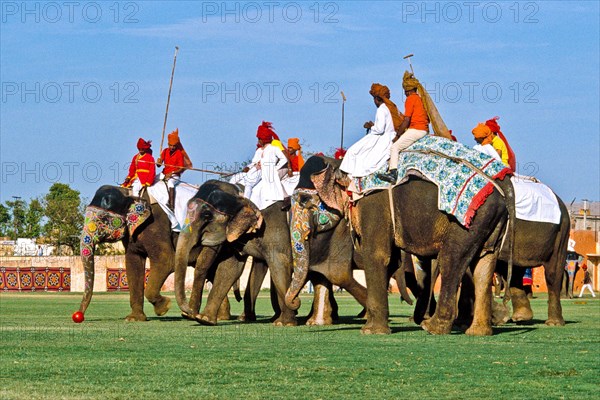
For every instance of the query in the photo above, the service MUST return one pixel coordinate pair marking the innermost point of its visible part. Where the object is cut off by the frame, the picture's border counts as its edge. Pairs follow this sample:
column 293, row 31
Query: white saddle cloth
column 534, row 201
column 183, row 193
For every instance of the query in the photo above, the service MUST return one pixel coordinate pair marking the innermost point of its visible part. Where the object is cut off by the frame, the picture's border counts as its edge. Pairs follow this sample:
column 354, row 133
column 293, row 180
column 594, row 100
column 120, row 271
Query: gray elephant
column 145, row 230
column 414, row 224
column 216, row 211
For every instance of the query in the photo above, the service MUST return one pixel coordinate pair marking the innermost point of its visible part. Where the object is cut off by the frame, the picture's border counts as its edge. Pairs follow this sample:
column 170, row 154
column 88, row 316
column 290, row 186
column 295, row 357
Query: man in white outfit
column 270, row 167
column 372, row 152
column 587, row 282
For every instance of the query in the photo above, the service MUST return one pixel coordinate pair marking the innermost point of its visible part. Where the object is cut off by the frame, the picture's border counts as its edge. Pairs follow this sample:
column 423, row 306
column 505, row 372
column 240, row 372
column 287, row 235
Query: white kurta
column 371, row 152
column 251, row 178
column 270, row 189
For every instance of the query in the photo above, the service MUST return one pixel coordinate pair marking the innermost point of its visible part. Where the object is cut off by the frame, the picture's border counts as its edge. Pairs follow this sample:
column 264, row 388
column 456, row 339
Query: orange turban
column 173, row 137
column 383, row 92
column 482, row 131
column 294, row 144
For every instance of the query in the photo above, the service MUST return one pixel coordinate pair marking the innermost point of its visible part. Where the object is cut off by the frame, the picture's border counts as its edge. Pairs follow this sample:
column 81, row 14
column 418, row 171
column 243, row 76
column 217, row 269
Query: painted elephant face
column 221, row 217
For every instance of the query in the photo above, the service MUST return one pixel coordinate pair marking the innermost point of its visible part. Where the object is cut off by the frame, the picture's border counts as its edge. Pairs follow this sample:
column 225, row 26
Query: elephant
column 114, row 215
column 407, row 217
column 109, row 218
column 216, row 211
column 535, row 244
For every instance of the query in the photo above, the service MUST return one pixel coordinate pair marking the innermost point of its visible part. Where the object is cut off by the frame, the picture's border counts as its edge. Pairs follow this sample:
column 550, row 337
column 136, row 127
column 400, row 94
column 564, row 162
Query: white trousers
column 587, row 286
column 408, row 137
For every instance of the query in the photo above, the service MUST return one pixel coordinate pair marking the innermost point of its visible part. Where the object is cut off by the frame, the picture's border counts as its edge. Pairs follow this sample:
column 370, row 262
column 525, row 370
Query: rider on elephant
column 174, row 158
column 484, row 136
column 142, row 170
column 372, row 151
column 295, row 154
column 413, row 128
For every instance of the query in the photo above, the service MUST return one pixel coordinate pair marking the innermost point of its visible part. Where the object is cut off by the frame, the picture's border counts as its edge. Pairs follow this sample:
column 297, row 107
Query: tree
column 33, row 219
column 4, row 220
column 62, row 207
column 17, row 209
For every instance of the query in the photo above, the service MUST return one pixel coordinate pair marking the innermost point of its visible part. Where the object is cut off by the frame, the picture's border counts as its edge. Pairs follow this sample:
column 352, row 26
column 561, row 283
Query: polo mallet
column 409, row 63
column 343, row 103
column 162, row 139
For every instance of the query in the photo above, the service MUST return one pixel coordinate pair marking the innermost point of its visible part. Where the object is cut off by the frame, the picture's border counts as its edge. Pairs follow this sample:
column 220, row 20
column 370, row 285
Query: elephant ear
column 329, row 191
column 247, row 220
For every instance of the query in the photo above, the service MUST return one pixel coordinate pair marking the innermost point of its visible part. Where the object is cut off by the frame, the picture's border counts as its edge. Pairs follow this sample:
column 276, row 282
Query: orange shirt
column 416, row 111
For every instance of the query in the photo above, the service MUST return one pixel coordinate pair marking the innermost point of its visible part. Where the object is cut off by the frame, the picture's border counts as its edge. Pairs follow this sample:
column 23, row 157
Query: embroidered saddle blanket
column 461, row 190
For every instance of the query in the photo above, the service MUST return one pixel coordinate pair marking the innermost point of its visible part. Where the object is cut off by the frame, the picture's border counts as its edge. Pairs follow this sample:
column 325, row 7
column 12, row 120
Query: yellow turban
column 409, row 82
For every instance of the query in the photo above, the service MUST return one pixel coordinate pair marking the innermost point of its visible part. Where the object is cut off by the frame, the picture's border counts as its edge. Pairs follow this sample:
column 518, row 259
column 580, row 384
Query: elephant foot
column 162, row 306
column 250, row 317
column 555, row 322
column 479, row 330
column 500, row 314
column 223, row 317
column 205, row 320
column 188, row 316
column 375, row 330
column 312, row 321
column 136, row 317
column 522, row 315
column 436, row 327
column 285, row 322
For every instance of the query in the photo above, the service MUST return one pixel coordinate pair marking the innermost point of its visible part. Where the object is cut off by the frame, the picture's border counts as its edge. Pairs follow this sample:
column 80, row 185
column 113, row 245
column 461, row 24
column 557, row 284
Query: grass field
column 44, row 355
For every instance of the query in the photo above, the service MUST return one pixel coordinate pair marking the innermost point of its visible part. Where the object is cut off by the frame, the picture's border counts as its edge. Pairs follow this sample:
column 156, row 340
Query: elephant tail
column 509, row 193
column 236, row 290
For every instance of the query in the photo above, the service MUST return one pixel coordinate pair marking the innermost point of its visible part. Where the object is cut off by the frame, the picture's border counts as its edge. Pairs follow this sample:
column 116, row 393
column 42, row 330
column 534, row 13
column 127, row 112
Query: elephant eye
column 206, row 214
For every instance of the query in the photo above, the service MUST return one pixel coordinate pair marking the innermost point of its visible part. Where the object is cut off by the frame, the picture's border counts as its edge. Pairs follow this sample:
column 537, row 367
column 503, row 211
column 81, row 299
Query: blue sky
column 81, row 83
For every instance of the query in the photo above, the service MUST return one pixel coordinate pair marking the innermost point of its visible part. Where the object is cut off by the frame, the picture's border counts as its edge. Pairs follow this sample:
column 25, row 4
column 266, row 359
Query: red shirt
column 172, row 161
column 296, row 162
column 142, row 167
column 416, row 111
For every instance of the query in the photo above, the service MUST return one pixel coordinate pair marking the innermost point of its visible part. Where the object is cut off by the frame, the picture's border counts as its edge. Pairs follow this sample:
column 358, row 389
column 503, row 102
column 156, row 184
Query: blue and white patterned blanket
column 460, row 189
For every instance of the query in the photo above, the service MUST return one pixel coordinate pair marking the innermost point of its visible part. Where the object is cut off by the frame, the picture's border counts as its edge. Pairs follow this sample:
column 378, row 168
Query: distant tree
column 33, row 219
column 17, row 209
column 63, row 209
column 4, row 220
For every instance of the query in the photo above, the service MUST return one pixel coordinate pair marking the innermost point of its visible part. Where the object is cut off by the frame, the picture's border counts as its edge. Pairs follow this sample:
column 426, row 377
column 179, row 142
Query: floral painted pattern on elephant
column 138, row 213
column 306, row 204
column 461, row 189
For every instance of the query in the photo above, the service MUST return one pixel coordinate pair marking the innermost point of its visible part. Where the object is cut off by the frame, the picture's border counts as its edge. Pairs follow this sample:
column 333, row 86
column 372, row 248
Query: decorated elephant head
column 111, row 216
column 310, row 214
column 217, row 214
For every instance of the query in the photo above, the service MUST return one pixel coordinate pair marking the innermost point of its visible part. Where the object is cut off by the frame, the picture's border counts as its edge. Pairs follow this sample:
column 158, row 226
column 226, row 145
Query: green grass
column 44, row 355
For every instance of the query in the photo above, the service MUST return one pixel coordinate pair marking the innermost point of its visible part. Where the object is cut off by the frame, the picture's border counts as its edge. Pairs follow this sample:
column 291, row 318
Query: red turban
column 493, row 124
column 143, row 145
column 339, row 153
column 265, row 132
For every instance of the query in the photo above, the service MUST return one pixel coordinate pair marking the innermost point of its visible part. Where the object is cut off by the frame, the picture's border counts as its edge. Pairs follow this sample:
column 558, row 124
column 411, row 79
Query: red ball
column 78, row 317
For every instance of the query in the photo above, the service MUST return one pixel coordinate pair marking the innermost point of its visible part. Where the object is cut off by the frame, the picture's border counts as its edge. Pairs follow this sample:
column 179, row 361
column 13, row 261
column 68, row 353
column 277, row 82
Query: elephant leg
column 135, row 266
column 226, row 274
column 281, row 278
column 375, row 265
column 482, row 311
column 520, row 303
column 321, row 308
column 159, row 271
column 255, row 280
column 554, row 281
column 274, row 302
column 224, row 313
column 452, row 265
column 466, row 302
column 422, row 287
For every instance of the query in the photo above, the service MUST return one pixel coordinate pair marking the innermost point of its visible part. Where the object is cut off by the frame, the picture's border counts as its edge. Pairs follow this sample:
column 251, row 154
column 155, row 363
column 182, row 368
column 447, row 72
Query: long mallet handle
column 409, row 63
column 343, row 103
column 162, row 139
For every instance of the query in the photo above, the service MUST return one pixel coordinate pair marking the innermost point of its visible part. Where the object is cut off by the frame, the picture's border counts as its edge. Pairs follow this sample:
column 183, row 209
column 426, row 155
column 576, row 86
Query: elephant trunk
column 184, row 245
column 87, row 259
column 300, row 231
